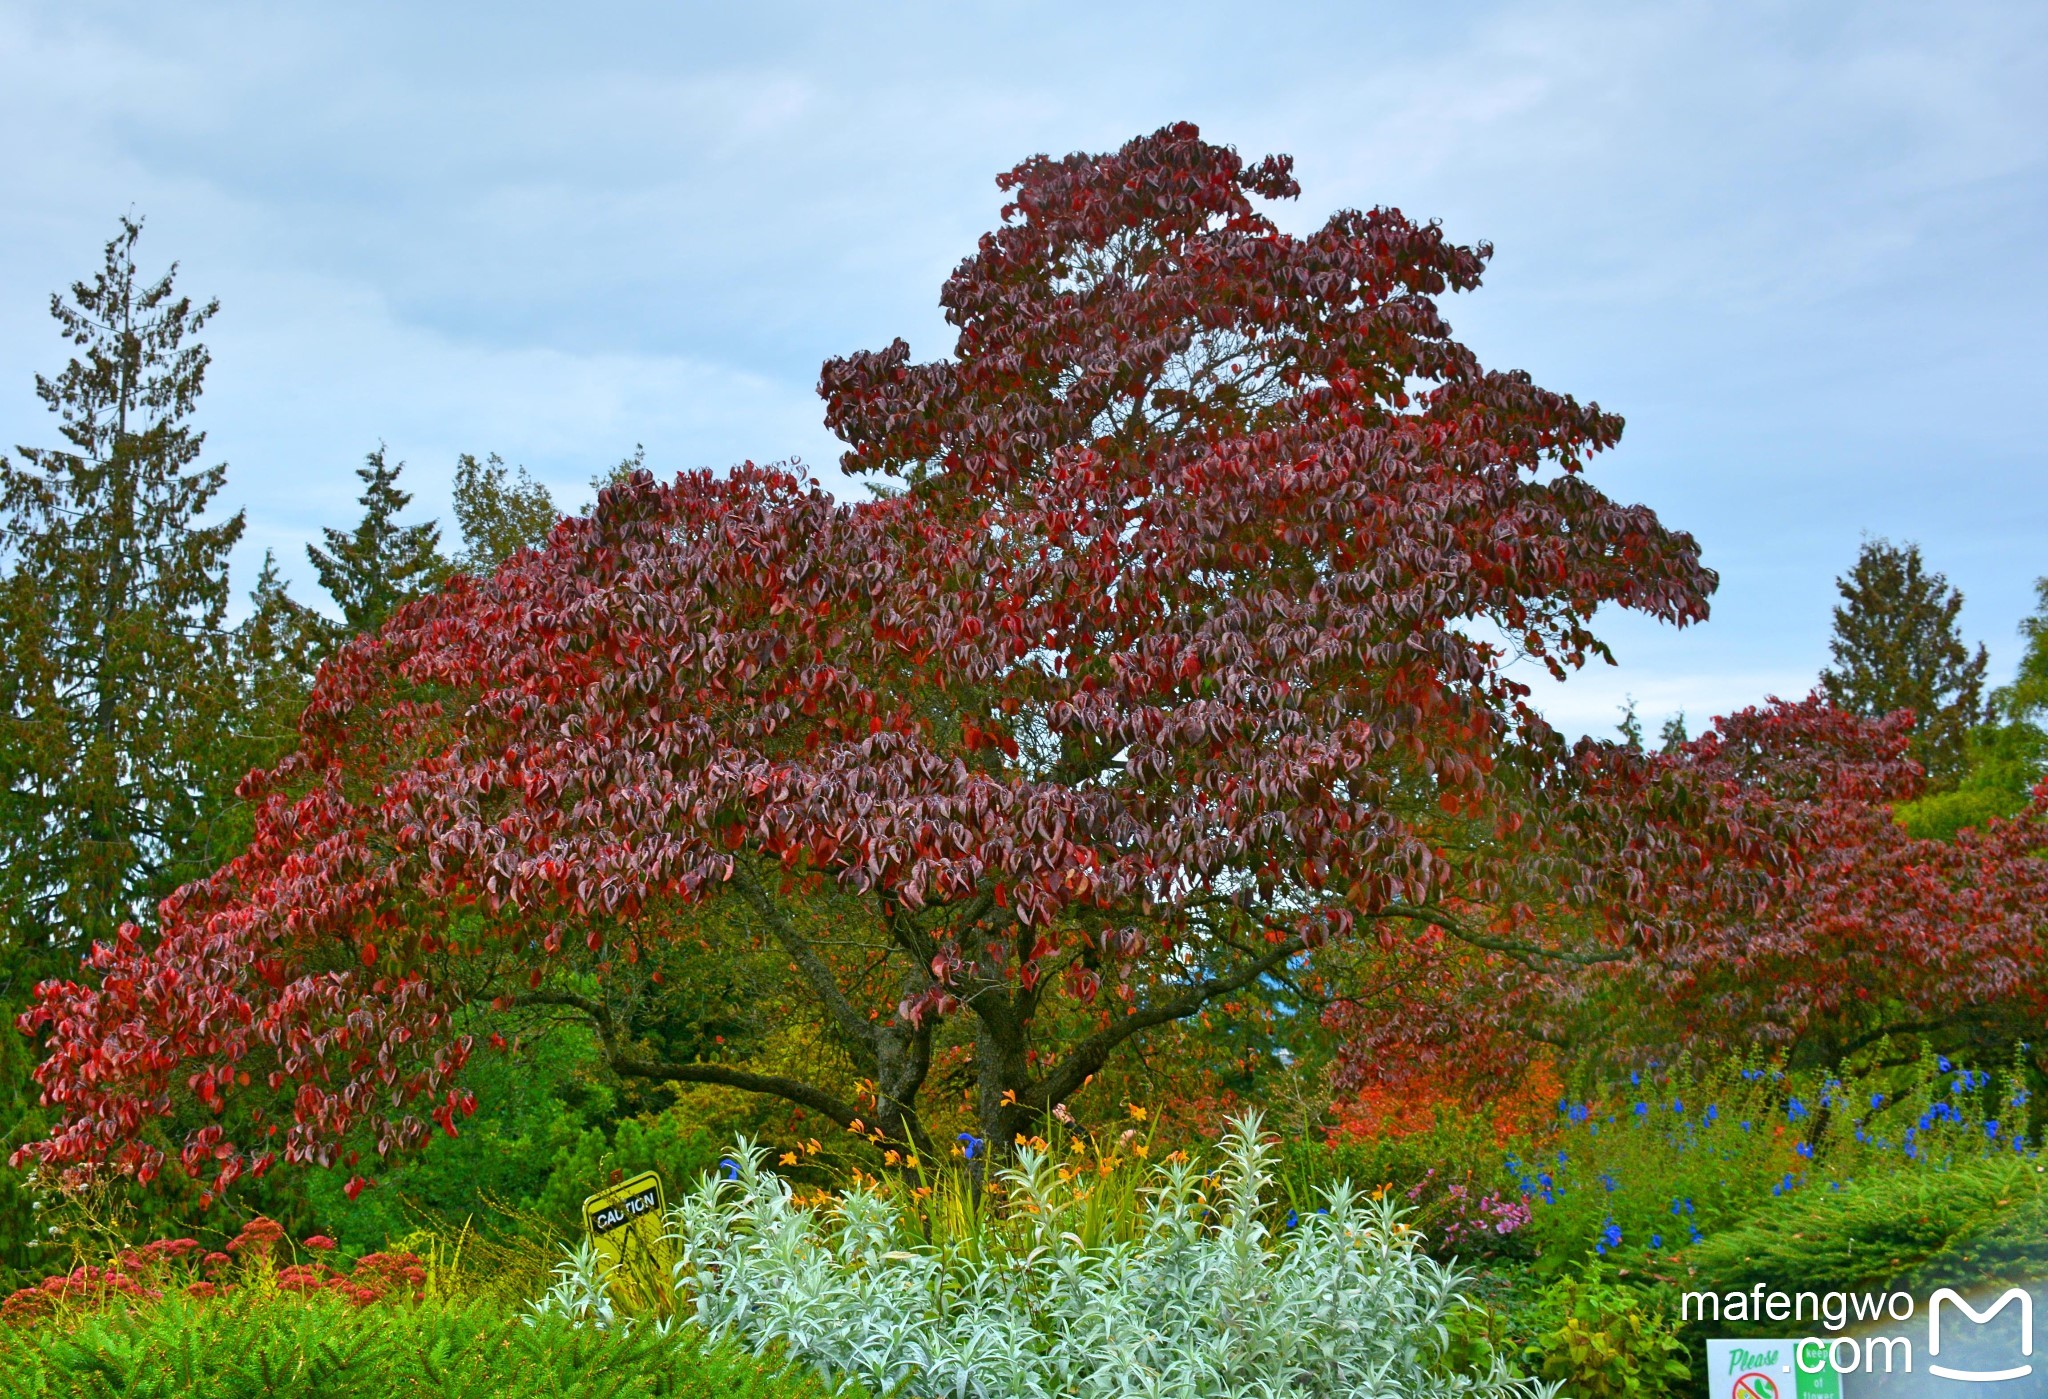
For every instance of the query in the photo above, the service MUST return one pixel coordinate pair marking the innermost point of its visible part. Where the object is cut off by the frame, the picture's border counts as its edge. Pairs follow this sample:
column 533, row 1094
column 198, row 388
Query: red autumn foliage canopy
column 1832, row 929
column 1161, row 658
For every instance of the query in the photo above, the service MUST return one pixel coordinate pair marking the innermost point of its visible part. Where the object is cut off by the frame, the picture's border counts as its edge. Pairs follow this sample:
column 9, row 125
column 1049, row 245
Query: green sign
column 1767, row 1370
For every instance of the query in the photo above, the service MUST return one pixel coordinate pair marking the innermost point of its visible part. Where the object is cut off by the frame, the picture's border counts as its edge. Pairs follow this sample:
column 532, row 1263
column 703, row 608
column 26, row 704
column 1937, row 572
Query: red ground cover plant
column 1158, row 661
column 1751, row 889
column 144, row 1274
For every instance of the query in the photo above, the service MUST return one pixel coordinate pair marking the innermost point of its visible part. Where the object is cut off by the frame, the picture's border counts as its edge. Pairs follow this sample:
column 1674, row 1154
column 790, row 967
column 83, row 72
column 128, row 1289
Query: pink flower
column 319, row 1241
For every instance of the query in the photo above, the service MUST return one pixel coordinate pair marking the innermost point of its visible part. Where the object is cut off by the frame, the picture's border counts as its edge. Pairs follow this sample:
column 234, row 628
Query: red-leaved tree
column 1169, row 648
column 1751, row 889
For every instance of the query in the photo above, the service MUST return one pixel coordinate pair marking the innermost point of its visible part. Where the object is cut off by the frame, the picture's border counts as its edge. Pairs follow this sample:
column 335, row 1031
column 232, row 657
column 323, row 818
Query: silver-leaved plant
column 1200, row 1300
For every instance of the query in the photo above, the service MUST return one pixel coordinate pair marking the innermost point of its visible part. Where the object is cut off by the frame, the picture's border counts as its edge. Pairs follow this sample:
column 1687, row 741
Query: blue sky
column 1800, row 246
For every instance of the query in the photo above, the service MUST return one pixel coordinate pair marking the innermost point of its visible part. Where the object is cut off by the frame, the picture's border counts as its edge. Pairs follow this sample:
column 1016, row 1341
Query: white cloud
column 1798, row 244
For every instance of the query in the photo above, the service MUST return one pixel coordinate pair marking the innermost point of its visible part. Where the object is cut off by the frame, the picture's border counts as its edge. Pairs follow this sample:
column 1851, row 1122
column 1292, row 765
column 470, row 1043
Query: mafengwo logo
column 2009, row 1297
column 1976, row 1342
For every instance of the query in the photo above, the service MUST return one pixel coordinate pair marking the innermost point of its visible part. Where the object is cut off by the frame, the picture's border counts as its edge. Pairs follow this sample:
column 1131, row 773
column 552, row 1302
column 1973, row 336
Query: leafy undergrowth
column 1198, row 1280
column 1871, row 1234
column 322, row 1347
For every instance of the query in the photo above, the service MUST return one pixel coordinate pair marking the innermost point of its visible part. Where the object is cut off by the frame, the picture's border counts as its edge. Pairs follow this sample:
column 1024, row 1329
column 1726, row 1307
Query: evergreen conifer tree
column 498, row 512
column 1896, row 646
column 381, row 564
column 1631, row 726
column 2026, row 699
column 115, row 668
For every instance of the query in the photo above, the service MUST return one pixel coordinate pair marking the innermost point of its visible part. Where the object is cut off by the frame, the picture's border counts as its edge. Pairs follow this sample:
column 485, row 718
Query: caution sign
column 1765, row 1370
column 627, row 1223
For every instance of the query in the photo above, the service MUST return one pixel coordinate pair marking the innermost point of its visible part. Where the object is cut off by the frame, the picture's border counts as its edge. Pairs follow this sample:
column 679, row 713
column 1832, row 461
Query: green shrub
column 1869, row 1232
column 1601, row 1339
column 1450, row 1175
column 322, row 1348
column 1197, row 1283
column 1662, row 1162
column 2009, row 1247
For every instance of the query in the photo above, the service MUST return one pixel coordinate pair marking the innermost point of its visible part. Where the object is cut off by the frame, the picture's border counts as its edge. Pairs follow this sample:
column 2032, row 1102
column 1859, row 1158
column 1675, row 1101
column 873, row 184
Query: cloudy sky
column 1799, row 245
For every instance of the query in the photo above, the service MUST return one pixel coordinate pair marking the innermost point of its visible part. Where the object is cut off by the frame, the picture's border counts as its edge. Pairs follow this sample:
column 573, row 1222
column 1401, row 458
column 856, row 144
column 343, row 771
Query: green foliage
column 1665, row 1161
column 1870, row 1232
column 547, row 1132
column 128, row 709
column 2027, row 696
column 1456, row 1138
column 1184, row 1287
column 2009, row 1245
column 21, row 1120
column 120, row 731
column 1673, row 736
column 1896, row 647
column 2004, row 761
column 370, row 570
column 2006, row 757
column 323, row 1349
column 1449, row 1175
column 499, row 514
column 1602, row 1339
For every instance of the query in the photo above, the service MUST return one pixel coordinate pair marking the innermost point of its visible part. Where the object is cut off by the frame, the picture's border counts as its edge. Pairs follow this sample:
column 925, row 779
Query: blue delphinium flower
column 1795, row 1110
column 1805, row 1149
column 1713, row 1111
column 1656, row 1241
column 1941, row 1062
column 1608, row 1181
column 1292, row 1219
column 1876, row 1101
column 1991, row 1129
column 1642, row 1109
column 970, row 1145
column 1610, row 1236
column 1635, row 1079
column 729, row 1168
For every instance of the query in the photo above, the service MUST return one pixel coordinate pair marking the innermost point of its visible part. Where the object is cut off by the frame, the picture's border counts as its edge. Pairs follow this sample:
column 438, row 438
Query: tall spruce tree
column 1896, row 646
column 116, row 678
column 370, row 570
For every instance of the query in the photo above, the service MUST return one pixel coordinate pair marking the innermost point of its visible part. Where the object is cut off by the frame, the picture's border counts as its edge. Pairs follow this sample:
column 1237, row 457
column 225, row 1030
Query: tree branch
column 1086, row 1058
column 813, row 967
column 629, row 1065
column 1525, row 952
